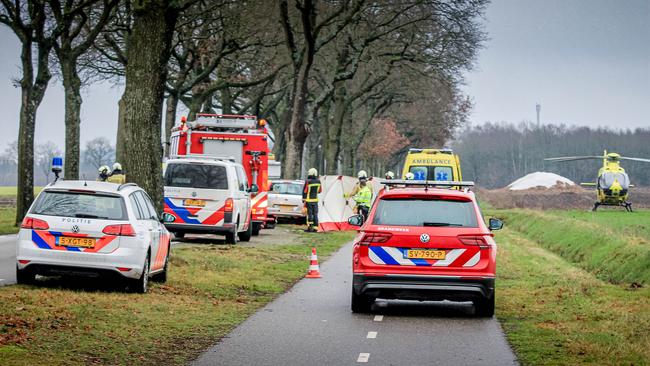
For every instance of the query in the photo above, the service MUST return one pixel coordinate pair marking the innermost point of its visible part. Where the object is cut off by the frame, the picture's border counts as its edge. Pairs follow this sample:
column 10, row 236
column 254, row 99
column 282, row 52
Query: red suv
column 422, row 242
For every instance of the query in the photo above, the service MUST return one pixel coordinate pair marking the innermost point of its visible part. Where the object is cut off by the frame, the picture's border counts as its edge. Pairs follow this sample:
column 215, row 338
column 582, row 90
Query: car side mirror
column 495, row 224
column 356, row 220
column 254, row 188
column 167, row 217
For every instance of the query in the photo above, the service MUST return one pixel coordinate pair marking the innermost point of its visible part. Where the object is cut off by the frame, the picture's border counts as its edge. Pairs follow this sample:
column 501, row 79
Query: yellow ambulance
column 433, row 164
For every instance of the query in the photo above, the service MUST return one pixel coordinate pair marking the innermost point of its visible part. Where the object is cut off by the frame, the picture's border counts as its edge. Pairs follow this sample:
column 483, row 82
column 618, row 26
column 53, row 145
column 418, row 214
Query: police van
column 432, row 165
column 208, row 195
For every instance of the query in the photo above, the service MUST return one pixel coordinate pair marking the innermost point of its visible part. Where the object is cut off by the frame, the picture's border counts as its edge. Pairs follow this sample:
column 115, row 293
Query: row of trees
column 96, row 152
column 495, row 154
column 321, row 71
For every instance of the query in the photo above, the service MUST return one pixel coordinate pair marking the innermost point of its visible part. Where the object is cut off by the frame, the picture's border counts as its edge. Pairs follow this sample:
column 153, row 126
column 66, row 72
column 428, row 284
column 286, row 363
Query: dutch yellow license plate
column 196, row 203
column 425, row 254
column 67, row 241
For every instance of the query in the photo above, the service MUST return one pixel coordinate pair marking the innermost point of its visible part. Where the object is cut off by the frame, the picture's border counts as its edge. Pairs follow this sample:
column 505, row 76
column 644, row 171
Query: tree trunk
column 170, row 120
column 296, row 133
column 72, row 88
column 122, row 136
column 148, row 52
column 32, row 92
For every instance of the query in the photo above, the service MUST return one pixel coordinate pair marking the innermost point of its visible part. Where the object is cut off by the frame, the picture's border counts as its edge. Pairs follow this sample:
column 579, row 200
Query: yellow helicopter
column 612, row 183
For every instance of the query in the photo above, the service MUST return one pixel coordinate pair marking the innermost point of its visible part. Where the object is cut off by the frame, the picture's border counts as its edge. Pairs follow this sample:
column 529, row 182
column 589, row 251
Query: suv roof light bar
column 445, row 150
column 426, row 183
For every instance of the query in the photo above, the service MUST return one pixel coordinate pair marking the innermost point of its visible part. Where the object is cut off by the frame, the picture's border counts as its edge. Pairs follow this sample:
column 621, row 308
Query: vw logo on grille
column 424, row 238
column 75, row 229
column 193, row 194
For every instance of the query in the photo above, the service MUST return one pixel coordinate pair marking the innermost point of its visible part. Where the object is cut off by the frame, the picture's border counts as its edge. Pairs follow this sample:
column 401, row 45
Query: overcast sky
column 586, row 61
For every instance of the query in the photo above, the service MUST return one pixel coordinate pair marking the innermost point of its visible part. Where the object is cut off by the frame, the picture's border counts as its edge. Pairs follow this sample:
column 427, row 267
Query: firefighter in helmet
column 118, row 175
column 390, row 175
column 310, row 197
column 361, row 194
column 410, row 176
column 104, row 173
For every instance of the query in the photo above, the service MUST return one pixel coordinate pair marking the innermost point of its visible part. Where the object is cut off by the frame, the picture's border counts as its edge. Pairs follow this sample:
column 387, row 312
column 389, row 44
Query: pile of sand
column 540, row 180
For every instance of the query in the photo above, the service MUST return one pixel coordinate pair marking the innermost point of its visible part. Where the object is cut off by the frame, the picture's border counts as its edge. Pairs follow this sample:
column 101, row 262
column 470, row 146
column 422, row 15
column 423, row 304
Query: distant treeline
column 495, row 154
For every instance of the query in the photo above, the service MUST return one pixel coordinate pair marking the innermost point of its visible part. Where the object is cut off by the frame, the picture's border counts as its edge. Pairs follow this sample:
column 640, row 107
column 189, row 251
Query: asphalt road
column 312, row 325
column 7, row 259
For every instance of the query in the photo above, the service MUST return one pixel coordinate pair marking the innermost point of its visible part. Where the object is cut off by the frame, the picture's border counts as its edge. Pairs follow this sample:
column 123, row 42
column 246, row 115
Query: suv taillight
column 119, row 230
column 369, row 238
column 32, row 223
column 475, row 240
column 229, row 205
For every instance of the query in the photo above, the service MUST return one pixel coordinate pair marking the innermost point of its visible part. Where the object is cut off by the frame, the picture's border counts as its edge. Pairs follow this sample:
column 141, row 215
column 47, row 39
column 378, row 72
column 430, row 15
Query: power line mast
column 538, row 108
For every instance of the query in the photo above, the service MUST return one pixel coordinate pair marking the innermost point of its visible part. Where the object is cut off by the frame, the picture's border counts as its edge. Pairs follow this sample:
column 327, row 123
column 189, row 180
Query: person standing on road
column 390, row 175
column 361, row 194
column 310, row 197
column 117, row 176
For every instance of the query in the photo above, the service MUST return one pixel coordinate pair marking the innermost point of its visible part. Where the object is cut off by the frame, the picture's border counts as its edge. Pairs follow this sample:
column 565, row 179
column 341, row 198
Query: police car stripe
column 181, row 212
column 39, row 241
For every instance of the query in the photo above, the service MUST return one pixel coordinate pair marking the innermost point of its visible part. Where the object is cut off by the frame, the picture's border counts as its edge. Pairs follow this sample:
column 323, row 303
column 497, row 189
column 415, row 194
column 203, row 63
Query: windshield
column 607, row 179
column 432, row 173
column 287, row 188
column 425, row 212
column 74, row 204
column 196, row 176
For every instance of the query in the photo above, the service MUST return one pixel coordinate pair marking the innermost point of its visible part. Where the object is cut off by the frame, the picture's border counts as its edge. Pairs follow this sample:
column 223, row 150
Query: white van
column 208, row 195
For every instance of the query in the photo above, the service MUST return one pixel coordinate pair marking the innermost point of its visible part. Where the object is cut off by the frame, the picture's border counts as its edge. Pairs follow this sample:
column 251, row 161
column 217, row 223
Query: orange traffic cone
column 314, row 270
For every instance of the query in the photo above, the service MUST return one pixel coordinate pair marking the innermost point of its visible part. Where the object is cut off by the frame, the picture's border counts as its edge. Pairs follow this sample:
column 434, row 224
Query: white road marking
column 379, row 318
column 363, row 357
column 372, row 335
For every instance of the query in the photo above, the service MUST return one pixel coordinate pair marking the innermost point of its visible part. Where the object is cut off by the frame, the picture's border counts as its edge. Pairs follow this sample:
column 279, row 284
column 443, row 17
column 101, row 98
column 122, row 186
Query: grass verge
column 600, row 244
column 7, row 220
column 11, row 191
column 556, row 314
column 211, row 289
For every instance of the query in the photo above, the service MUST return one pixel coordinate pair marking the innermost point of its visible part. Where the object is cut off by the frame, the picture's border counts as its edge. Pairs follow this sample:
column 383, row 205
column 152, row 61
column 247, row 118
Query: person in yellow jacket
column 362, row 195
column 117, row 176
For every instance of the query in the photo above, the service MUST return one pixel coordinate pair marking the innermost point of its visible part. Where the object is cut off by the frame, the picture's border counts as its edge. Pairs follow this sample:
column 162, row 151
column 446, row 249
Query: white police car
column 93, row 229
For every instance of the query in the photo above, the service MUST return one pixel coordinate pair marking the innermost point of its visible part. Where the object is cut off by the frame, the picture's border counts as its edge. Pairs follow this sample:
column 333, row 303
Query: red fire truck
column 239, row 138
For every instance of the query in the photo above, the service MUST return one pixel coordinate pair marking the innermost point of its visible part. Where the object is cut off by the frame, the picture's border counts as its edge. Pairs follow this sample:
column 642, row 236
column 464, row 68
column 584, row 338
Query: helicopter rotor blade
column 573, row 158
column 636, row 159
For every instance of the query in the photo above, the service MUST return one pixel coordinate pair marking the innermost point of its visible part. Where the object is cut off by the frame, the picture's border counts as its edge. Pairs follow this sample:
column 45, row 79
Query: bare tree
column 98, row 152
column 30, row 23
column 43, row 155
column 80, row 22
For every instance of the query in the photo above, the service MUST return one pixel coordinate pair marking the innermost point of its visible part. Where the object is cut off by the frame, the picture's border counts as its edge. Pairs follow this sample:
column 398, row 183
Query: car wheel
column 361, row 303
column 484, row 307
column 231, row 237
column 162, row 276
column 179, row 235
column 25, row 276
column 141, row 285
column 246, row 235
column 256, row 228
